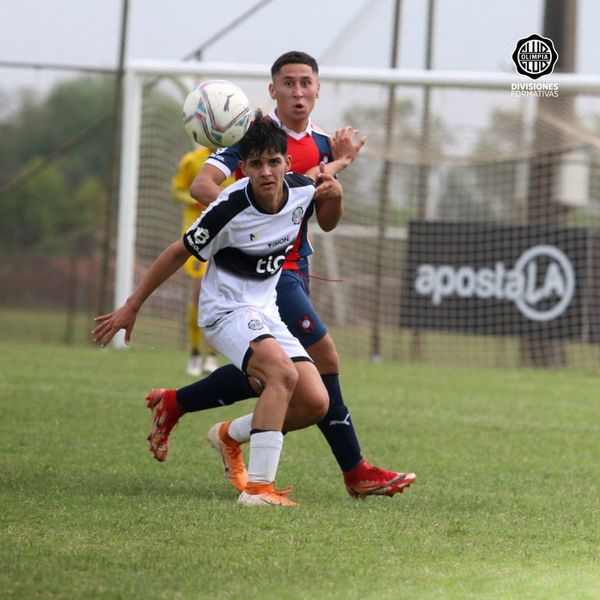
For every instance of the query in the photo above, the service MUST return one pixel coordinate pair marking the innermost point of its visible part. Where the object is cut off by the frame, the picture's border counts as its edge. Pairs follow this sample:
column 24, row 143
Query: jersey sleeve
column 225, row 159
column 206, row 236
column 323, row 142
column 297, row 180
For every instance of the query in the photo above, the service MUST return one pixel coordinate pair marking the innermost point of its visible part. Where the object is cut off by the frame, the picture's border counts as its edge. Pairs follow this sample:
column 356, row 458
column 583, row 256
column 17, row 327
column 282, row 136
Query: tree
column 71, row 192
column 34, row 218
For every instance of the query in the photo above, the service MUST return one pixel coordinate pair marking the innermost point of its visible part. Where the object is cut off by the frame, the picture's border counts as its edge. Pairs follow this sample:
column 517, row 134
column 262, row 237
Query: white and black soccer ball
column 216, row 114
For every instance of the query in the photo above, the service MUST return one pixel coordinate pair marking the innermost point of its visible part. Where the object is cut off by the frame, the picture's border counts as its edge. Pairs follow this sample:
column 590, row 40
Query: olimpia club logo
column 541, row 284
column 535, row 56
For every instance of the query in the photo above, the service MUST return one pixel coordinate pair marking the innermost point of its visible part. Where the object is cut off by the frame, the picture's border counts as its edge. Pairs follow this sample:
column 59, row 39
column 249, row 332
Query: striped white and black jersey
column 246, row 245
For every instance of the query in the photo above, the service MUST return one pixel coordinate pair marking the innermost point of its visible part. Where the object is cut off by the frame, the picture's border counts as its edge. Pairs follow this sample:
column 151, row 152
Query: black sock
column 337, row 427
column 224, row 386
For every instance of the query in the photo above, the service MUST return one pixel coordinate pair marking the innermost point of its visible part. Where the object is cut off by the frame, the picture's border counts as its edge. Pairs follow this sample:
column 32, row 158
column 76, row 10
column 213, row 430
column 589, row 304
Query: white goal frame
column 137, row 72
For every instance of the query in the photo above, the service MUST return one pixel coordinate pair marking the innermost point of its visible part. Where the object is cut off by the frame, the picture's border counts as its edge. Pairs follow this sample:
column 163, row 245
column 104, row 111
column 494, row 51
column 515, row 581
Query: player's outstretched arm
column 206, row 186
column 169, row 261
column 329, row 196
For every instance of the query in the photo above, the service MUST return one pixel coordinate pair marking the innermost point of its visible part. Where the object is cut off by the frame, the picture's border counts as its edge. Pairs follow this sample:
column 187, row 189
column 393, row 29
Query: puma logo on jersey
column 345, row 421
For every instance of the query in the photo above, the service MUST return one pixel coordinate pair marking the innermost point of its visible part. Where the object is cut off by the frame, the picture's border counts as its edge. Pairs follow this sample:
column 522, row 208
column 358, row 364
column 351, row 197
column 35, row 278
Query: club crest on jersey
column 297, row 215
column 255, row 324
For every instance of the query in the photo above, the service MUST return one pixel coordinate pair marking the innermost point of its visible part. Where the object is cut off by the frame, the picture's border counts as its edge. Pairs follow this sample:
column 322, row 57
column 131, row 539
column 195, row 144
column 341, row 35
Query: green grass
column 506, row 504
column 55, row 326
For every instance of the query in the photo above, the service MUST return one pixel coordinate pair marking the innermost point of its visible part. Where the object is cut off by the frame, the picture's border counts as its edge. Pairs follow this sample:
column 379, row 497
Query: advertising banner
column 498, row 280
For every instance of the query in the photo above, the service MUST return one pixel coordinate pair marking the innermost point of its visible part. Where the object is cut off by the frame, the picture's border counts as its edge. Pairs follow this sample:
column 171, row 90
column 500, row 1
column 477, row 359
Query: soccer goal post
column 462, row 172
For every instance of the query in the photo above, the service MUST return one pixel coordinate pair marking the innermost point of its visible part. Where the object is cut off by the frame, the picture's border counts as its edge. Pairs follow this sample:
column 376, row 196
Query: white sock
column 239, row 429
column 265, row 450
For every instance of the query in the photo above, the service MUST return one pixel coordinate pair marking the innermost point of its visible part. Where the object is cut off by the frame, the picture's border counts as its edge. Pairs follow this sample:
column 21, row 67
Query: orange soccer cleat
column 262, row 494
column 230, row 450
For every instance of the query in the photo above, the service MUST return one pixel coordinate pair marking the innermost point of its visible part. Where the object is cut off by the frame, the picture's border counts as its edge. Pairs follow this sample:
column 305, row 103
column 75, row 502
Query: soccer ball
column 216, row 114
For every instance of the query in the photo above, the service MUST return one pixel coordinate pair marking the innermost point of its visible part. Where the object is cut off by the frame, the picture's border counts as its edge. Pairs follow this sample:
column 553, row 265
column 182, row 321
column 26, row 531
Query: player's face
column 266, row 173
column 295, row 89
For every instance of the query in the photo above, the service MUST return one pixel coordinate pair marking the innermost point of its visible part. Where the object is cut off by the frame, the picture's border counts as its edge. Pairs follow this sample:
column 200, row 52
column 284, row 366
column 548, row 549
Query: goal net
column 470, row 234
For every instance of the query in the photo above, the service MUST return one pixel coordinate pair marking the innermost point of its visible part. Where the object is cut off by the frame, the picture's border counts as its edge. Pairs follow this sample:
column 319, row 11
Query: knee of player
column 283, row 374
column 321, row 400
column 289, row 377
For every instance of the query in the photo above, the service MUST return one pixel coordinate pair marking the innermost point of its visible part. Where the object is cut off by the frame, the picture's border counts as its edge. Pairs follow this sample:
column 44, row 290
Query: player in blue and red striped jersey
column 295, row 89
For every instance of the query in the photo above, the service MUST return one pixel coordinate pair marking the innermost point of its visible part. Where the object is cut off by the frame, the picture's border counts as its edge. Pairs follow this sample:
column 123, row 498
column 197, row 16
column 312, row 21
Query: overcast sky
column 470, row 34
column 475, row 35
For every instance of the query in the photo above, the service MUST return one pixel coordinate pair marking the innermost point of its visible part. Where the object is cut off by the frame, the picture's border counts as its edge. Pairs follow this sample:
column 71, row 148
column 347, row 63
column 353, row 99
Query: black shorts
column 293, row 300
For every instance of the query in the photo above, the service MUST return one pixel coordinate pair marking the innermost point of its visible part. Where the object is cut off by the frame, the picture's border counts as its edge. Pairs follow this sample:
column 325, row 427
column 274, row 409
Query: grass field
column 506, row 504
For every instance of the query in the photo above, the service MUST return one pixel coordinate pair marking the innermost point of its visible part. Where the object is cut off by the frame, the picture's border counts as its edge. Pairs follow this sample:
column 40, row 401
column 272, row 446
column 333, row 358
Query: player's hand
column 108, row 325
column 328, row 188
column 343, row 145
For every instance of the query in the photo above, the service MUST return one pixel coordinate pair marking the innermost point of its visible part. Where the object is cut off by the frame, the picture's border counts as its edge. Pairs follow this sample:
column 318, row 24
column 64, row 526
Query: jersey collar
column 293, row 134
column 256, row 205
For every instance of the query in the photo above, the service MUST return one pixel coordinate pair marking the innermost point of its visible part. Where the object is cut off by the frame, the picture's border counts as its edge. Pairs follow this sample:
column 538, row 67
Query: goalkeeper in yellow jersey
column 202, row 360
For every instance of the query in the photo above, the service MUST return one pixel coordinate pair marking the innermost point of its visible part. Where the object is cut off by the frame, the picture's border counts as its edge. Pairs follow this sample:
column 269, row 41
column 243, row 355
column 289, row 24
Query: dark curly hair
column 263, row 135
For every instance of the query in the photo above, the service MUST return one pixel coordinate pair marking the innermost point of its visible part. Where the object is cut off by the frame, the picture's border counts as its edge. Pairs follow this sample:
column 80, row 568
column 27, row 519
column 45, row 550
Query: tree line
column 55, row 166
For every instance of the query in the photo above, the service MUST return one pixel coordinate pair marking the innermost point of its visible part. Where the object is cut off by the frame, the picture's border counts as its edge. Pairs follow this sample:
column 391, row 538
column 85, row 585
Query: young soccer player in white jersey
column 247, row 233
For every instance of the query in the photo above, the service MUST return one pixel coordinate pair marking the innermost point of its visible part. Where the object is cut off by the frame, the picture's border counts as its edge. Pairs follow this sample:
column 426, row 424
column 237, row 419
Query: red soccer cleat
column 367, row 480
column 165, row 415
